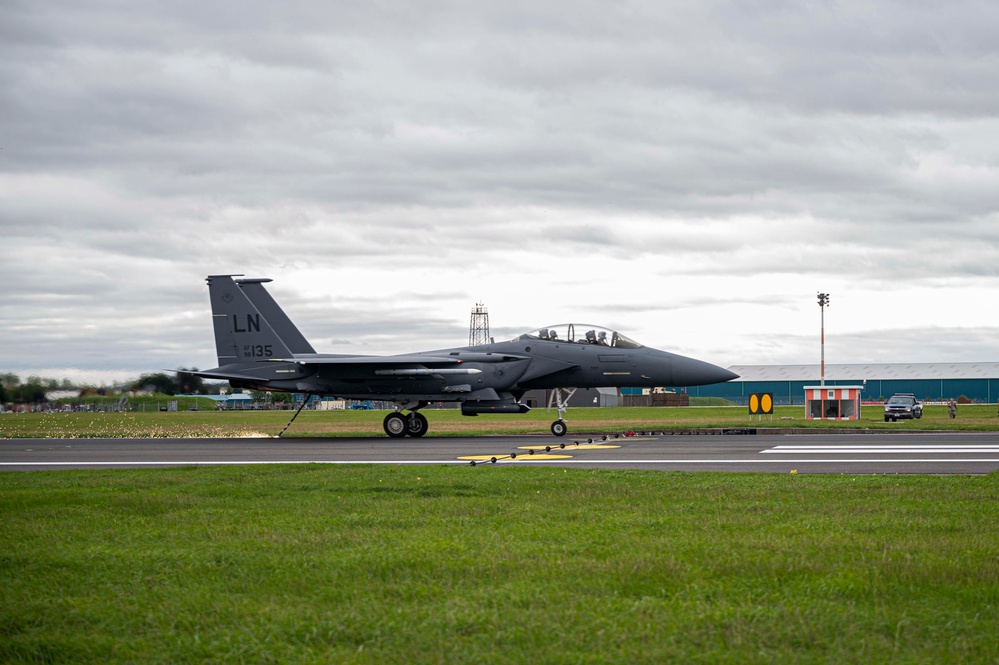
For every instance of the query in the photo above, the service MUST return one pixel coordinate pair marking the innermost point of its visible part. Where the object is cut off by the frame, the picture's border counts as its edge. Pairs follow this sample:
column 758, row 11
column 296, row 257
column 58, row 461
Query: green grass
column 496, row 565
column 449, row 422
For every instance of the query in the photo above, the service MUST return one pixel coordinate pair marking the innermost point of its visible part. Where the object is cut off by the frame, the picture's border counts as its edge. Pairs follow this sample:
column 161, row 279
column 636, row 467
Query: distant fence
column 656, row 399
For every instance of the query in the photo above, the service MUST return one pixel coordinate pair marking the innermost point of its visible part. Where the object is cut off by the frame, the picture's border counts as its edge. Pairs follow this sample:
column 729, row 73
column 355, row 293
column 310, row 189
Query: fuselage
column 495, row 371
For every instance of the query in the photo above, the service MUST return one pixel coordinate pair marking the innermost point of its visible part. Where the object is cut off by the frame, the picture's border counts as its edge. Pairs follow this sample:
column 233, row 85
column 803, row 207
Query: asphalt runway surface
column 866, row 453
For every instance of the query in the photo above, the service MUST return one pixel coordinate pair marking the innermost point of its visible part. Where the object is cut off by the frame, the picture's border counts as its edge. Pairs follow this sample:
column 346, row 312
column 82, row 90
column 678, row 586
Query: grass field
column 449, row 422
column 496, row 565
column 488, row 564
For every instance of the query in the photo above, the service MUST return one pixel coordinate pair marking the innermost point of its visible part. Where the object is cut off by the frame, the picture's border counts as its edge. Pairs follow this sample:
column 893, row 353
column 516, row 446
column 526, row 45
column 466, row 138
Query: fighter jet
column 259, row 348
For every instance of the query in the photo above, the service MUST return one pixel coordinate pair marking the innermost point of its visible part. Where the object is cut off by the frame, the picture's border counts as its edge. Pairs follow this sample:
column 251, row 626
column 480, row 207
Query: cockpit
column 582, row 333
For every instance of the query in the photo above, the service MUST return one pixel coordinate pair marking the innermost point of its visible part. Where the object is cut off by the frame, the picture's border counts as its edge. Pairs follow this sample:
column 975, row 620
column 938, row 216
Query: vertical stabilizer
column 242, row 333
column 268, row 307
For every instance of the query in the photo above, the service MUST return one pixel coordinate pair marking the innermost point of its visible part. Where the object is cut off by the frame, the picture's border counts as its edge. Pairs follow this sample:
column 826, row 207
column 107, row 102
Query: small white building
column 832, row 402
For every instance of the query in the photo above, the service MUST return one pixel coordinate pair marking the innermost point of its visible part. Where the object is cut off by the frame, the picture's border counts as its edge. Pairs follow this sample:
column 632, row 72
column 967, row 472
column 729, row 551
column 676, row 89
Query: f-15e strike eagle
column 261, row 349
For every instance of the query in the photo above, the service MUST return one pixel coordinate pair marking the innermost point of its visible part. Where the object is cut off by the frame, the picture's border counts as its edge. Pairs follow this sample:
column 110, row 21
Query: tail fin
column 242, row 333
column 270, row 310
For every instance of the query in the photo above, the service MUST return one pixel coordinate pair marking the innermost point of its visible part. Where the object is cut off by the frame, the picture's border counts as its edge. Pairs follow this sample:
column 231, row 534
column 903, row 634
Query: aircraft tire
column 417, row 425
column 395, row 425
column 559, row 428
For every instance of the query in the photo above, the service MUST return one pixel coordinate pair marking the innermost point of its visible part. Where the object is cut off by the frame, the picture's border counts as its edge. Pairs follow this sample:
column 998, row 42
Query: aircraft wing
column 228, row 375
column 406, row 365
column 411, row 365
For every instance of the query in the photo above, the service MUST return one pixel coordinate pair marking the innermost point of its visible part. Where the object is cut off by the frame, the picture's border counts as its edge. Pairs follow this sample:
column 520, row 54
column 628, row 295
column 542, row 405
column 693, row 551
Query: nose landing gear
column 559, row 427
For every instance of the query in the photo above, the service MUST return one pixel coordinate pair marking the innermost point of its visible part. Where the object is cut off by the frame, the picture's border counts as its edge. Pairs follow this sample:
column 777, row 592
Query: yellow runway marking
column 506, row 458
column 569, row 446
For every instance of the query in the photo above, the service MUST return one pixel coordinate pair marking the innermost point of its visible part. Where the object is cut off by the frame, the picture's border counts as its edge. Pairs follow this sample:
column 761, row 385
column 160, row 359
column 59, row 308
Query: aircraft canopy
column 583, row 333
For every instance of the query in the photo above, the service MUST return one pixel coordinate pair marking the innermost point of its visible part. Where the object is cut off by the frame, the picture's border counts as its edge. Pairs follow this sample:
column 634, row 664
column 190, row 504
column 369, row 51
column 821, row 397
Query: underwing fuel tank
column 475, row 408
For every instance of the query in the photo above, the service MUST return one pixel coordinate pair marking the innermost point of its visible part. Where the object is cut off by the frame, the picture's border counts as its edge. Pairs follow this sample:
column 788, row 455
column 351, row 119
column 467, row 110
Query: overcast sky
column 690, row 174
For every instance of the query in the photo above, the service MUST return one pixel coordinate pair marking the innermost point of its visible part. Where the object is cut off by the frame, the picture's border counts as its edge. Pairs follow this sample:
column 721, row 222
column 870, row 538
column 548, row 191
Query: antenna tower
column 478, row 327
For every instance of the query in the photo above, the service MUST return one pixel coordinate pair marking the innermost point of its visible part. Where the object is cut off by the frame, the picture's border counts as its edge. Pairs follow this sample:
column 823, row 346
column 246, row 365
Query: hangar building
column 979, row 382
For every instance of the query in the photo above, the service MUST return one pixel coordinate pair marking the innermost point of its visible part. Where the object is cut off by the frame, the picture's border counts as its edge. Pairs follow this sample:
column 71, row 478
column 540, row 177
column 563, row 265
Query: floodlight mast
column 823, row 301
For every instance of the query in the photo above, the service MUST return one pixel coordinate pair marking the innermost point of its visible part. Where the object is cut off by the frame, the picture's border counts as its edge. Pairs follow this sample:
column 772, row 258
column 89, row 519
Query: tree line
column 33, row 390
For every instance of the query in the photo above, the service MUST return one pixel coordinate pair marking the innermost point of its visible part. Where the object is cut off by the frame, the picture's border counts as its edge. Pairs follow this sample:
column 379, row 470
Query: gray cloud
column 660, row 165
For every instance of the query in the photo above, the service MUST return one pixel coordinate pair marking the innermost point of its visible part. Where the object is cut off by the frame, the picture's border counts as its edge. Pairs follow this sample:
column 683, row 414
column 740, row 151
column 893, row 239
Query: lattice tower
column 478, row 327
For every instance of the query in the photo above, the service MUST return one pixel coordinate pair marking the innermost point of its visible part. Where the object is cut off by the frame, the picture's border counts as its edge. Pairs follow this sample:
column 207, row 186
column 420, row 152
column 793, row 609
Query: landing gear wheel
column 416, row 424
column 559, row 428
column 395, row 425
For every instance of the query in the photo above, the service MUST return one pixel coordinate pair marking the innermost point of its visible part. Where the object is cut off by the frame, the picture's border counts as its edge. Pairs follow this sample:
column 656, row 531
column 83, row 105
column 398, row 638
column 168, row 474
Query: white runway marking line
column 883, row 449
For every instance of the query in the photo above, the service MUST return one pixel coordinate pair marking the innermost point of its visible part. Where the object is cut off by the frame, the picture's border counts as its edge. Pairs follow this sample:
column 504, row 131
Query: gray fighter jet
column 259, row 348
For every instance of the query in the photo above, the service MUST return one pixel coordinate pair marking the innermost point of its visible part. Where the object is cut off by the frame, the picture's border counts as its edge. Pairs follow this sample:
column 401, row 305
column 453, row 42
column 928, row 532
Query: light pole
column 823, row 301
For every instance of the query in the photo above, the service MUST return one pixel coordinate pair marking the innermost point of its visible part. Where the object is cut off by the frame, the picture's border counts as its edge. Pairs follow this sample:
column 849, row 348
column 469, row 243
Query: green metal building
column 979, row 382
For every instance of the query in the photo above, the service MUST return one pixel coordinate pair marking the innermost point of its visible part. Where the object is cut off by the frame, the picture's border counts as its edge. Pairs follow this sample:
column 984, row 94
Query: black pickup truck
column 903, row 405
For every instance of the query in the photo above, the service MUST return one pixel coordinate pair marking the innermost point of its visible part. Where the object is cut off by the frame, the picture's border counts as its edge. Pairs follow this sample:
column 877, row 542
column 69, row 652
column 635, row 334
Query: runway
column 922, row 453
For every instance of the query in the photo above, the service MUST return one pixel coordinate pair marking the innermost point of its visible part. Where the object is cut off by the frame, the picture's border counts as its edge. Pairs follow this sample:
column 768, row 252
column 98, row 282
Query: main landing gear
column 398, row 425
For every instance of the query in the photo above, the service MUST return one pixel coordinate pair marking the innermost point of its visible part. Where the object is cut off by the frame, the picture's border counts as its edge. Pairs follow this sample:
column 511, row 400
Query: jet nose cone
column 691, row 372
column 725, row 375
